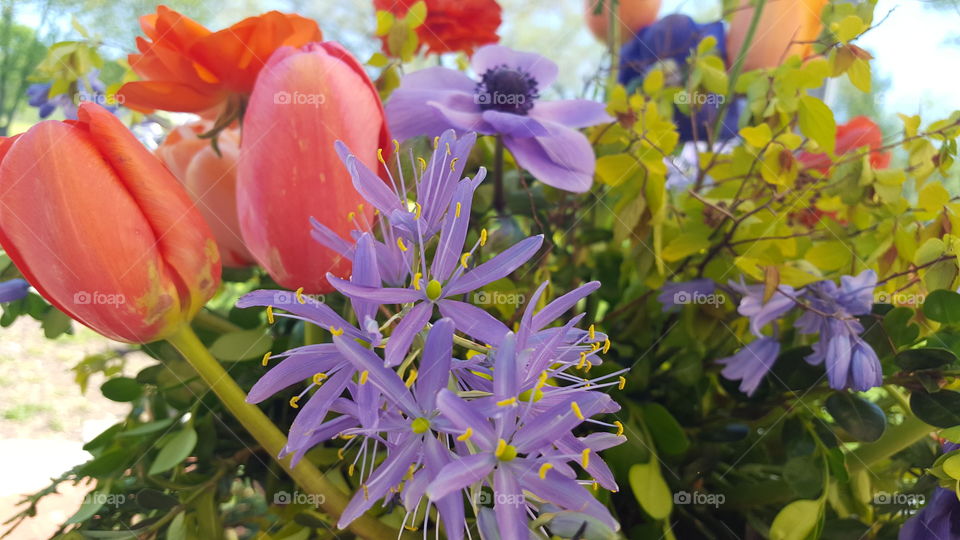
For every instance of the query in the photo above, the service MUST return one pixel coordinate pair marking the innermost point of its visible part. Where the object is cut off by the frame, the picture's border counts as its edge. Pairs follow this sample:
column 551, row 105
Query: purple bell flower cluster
column 822, row 308
column 468, row 414
column 88, row 88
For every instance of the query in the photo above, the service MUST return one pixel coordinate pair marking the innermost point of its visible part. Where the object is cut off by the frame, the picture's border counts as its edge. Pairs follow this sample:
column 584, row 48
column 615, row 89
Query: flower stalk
column 266, row 433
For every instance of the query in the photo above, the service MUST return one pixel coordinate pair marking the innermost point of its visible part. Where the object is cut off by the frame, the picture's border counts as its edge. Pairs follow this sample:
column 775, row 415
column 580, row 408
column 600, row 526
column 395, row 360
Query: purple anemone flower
column 504, row 101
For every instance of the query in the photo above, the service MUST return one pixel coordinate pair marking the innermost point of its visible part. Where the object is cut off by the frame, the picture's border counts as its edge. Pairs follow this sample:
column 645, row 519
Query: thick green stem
column 738, row 67
column 893, row 440
column 266, row 433
column 211, row 321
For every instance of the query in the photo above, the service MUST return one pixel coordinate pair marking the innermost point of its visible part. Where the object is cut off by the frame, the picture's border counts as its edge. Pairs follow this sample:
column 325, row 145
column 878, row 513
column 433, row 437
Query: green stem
column 266, row 433
column 499, row 199
column 893, row 440
column 738, row 67
column 312, row 334
column 211, row 321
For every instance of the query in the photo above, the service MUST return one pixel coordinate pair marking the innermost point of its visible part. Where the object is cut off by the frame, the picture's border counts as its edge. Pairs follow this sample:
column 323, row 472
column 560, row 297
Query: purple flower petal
column 464, row 416
column 514, row 125
column 460, row 473
column 751, row 363
column 559, row 306
column 460, row 112
column 326, row 237
column 366, row 273
column 454, row 231
column 388, row 475
column 505, row 369
column 299, row 365
column 573, row 113
column 473, row 321
column 319, row 313
column 13, row 289
column 367, row 183
column 509, row 504
column 403, row 334
column 563, row 159
column 496, row 268
column 567, row 494
column 381, row 295
column 494, row 56
column 387, row 380
column 865, row 369
column 436, row 457
column 558, row 420
column 312, row 414
column 434, row 364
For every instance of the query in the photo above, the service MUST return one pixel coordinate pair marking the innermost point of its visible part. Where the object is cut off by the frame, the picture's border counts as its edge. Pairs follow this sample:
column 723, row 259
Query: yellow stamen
column 416, row 280
column 363, row 376
column 350, row 469
column 483, row 237
column 466, row 435
column 423, row 164
column 576, row 409
column 596, row 485
column 463, row 259
column 583, row 360
column 501, row 447
column 589, row 365
column 606, row 346
column 585, row 458
column 396, row 145
column 417, row 211
column 347, row 436
column 351, row 216
column 541, row 380
column 543, row 470
column 448, row 149
column 270, row 314
column 366, row 493
column 300, row 296
column 336, row 331
column 619, row 425
column 506, row 402
column 318, row 378
column 412, row 378
column 457, row 211
column 593, row 332
column 453, row 164
column 266, row 358
column 340, row 453
column 623, row 382
column 293, row 402
column 380, row 156
column 360, row 207
column 411, row 528
column 400, row 244
column 436, row 142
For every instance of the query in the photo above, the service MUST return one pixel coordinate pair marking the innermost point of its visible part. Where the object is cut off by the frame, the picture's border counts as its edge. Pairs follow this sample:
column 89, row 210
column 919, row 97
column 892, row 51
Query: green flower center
column 434, row 290
column 420, row 425
column 531, row 395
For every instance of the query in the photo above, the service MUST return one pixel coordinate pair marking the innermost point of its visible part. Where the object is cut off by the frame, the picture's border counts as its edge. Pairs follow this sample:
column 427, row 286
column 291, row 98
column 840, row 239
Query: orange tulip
column 101, row 228
column 632, row 14
column 304, row 101
column 188, row 68
column 786, row 27
column 211, row 181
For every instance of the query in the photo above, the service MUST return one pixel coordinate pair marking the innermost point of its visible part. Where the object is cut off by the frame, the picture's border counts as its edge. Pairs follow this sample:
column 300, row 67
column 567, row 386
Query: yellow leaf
column 933, row 197
column 614, row 169
column 685, row 245
column 828, row 255
column 859, row 74
column 757, row 136
column 416, row 14
column 653, row 82
column 817, row 122
column 385, row 21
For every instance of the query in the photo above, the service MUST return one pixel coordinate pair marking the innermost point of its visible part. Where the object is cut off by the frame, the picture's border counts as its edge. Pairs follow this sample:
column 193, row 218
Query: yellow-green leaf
column 685, row 245
column 796, row 521
column 616, row 168
column 859, row 74
column 757, row 136
column 817, row 122
column 650, row 489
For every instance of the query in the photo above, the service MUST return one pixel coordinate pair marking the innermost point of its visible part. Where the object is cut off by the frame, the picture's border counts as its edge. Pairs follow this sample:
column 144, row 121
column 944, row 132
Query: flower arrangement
column 391, row 302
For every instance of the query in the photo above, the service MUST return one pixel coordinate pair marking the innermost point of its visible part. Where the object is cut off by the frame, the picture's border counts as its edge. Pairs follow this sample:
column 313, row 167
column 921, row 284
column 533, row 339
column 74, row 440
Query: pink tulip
column 304, row 101
column 786, row 28
column 211, row 181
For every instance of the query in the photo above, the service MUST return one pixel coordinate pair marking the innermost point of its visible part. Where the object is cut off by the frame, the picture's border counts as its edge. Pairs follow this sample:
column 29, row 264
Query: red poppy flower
column 857, row 133
column 451, row 25
column 188, row 68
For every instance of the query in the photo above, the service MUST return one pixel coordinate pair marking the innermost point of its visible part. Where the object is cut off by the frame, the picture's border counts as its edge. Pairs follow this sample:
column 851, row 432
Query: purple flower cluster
column 457, row 404
column 88, row 88
column 825, row 308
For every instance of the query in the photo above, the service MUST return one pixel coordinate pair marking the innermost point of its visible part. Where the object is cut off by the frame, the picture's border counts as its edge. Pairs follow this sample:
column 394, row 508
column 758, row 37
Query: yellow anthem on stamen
column 396, row 145
column 363, row 376
column 351, row 215
column 576, row 409
column 350, row 469
column 380, row 156
column 623, row 383
column 463, row 259
column 416, row 280
column 619, row 425
column 506, row 402
column 504, row 451
column 318, row 378
column 542, row 473
column 300, row 296
column 336, row 331
column 417, row 210
column 456, row 212
column 423, row 164
column 400, row 244
column 606, row 346
column 266, row 358
column 466, row 435
column 411, row 378
column 483, row 237
column 453, row 164
column 293, row 402
column 270, row 314
column 436, row 142
column 593, row 332
column 585, row 458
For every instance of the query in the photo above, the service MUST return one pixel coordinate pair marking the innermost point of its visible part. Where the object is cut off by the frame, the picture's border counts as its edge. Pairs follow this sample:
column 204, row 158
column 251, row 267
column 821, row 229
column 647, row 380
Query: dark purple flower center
column 506, row 90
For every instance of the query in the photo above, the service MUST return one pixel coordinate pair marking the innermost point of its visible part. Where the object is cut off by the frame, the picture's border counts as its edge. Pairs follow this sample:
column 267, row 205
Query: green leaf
column 176, row 449
column 146, row 429
column 817, row 123
column 55, row 323
column 616, row 168
column 941, row 409
column 860, row 418
column 242, row 345
column 685, row 245
column 757, row 136
column 151, row 499
column 804, row 474
column 897, row 325
column 796, row 521
column 951, row 466
column 651, row 490
column 121, row 389
column 943, row 306
column 926, row 358
column 859, row 75
column 667, row 433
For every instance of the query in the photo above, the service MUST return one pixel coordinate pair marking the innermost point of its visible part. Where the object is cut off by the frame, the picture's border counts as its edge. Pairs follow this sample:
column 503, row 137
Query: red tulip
column 451, row 25
column 786, row 28
column 857, row 133
column 632, row 14
column 304, row 101
column 211, row 181
column 101, row 228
